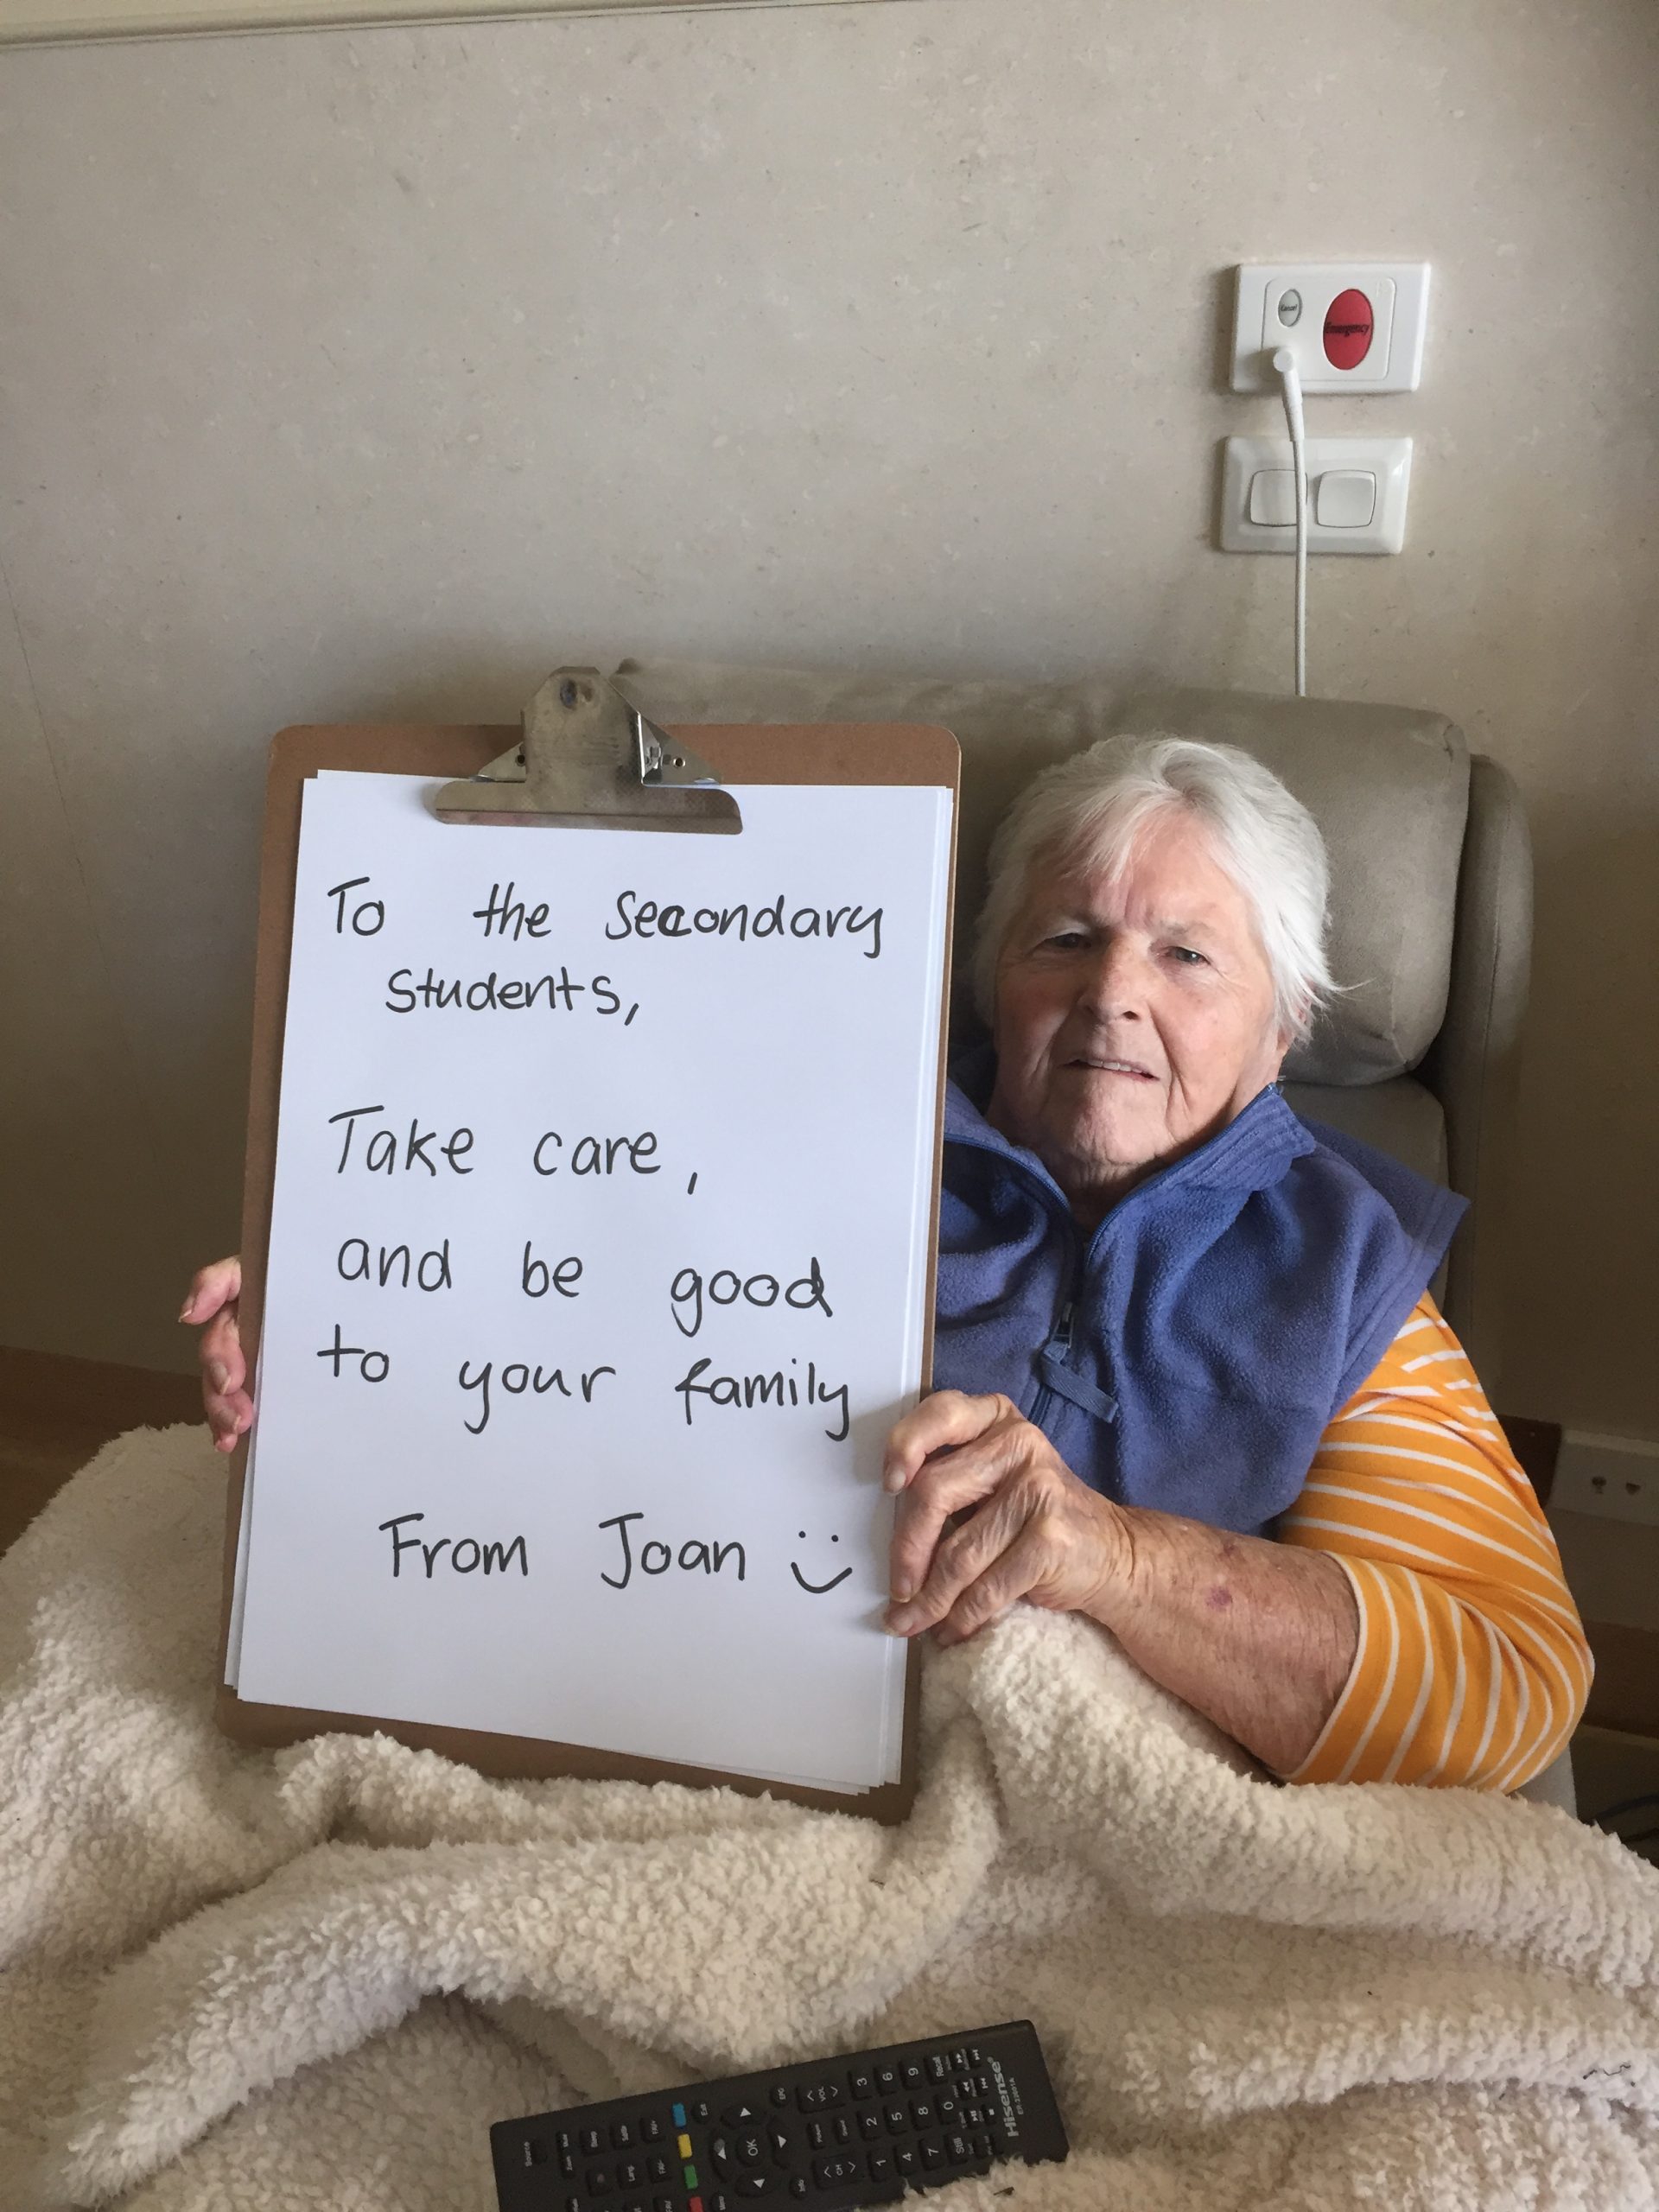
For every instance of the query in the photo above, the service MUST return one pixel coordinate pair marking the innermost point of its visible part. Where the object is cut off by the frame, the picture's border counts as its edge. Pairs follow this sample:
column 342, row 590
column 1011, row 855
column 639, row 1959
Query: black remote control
column 837, row 2132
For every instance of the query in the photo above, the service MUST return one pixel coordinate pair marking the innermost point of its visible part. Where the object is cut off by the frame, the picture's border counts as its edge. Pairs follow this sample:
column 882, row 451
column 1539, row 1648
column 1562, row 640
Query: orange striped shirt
column 1473, row 1668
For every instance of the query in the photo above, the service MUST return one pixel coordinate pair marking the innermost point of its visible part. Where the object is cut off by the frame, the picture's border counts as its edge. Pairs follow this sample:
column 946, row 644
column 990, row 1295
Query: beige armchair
column 1431, row 904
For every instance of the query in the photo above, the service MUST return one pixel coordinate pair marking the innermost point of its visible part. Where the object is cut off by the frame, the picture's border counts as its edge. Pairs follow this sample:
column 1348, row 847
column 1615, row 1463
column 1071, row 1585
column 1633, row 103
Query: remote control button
column 651, row 2129
column 630, row 2174
column 880, row 2166
column 945, row 2106
column 960, row 2061
column 905, row 2159
column 702, row 2109
column 841, row 2128
column 862, row 2082
column 886, row 2078
column 720, row 2156
column 921, row 2113
column 656, row 2167
column 911, row 2073
column 592, row 2140
column 818, row 2135
column 937, row 2069
column 563, row 2140
column 828, row 2172
column 636, row 2204
column 973, row 2117
column 573, row 2204
column 682, row 2144
column 743, row 2115
column 958, row 2148
column 983, row 2147
column 965, row 2091
column 662, row 2204
column 751, row 2150
column 621, row 2136
column 678, row 2113
column 568, row 2164
column 869, row 2126
column 782, row 2142
column 932, row 2156
column 898, row 2120
column 780, row 2093
column 798, row 2185
column 599, row 2182
column 755, row 2184
column 986, row 2086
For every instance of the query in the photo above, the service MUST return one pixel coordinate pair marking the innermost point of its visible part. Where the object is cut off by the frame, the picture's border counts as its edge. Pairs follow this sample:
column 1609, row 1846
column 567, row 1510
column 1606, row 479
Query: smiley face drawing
column 817, row 1589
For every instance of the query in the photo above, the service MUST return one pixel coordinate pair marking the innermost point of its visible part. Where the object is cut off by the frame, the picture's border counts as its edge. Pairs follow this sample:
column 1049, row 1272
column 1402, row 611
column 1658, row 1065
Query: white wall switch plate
column 1258, row 502
column 1305, row 306
column 1617, row 1477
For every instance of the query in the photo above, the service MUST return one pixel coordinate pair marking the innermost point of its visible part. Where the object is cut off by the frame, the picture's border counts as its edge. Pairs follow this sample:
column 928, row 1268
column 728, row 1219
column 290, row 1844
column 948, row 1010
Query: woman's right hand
column 212, row 1300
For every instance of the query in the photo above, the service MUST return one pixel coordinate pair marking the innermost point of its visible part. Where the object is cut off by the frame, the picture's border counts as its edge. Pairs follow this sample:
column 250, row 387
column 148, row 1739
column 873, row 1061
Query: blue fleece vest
column 1188, row 1354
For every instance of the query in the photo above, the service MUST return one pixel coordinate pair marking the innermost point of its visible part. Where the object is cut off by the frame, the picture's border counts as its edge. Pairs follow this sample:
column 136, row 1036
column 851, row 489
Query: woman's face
column 1133, row 1020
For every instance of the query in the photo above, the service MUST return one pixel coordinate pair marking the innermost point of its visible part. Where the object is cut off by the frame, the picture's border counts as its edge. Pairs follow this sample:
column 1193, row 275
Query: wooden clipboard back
column 840, row 753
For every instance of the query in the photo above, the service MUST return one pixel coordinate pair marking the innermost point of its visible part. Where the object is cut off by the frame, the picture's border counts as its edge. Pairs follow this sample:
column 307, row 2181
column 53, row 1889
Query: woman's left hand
column 1039, row 1534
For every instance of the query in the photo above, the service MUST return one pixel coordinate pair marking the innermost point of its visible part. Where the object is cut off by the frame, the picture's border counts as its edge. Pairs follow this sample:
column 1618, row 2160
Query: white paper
column 713, row 1113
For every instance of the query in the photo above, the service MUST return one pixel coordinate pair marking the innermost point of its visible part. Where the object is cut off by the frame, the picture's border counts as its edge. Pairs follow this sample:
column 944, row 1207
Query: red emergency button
column 1348, row 326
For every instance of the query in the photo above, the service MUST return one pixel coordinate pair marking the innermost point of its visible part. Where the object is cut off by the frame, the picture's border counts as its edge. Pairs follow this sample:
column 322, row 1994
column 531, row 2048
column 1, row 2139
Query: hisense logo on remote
column 1007, row 2094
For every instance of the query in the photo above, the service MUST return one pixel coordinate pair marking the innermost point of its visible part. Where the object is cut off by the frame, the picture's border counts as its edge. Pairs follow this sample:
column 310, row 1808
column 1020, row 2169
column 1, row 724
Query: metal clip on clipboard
column 588, row 759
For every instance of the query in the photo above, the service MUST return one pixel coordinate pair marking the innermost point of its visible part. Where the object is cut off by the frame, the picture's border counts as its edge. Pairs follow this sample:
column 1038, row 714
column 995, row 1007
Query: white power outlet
column 1616, row 1477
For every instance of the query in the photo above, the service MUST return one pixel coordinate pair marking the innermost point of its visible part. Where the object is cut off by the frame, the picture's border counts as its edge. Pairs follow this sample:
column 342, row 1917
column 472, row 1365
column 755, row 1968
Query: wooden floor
column 54, row 1413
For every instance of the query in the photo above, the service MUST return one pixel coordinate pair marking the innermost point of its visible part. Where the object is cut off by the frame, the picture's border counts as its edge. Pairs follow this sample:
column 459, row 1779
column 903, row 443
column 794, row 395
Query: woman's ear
column 1283, row 1037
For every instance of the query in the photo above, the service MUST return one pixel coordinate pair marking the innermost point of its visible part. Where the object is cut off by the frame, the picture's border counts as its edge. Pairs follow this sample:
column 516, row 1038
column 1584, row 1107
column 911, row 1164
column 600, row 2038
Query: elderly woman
column 1193, row 1385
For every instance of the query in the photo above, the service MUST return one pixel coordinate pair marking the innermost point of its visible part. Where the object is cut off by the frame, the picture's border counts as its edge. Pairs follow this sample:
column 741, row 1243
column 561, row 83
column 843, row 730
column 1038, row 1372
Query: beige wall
column 369, row 374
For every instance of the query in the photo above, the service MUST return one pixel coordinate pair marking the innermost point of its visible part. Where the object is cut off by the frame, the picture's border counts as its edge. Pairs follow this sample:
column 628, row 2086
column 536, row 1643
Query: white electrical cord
column 1285, row 362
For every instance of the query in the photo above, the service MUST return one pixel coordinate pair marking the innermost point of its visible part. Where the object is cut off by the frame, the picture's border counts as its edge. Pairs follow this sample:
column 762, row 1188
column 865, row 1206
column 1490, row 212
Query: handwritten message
column 596, row 1276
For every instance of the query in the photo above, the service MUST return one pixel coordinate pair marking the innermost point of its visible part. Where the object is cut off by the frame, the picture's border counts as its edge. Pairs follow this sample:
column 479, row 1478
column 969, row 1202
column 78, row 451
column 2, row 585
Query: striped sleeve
column 1473, row 1668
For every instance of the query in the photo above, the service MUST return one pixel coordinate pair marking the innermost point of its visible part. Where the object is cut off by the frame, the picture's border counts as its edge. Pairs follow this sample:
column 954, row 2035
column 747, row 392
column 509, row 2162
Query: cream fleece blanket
column 310, row 1980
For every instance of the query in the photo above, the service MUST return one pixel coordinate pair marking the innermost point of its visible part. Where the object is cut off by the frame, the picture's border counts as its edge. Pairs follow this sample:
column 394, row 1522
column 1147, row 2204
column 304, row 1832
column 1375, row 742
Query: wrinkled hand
column 212, row 1298
column 1038, row 1532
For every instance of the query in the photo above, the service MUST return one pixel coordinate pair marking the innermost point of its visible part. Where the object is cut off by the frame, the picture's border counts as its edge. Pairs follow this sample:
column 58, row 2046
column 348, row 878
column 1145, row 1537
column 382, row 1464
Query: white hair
column 1092, row 811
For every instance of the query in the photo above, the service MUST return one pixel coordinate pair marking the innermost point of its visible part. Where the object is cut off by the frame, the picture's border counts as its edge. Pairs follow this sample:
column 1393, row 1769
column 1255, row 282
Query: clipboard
column 584, row 755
